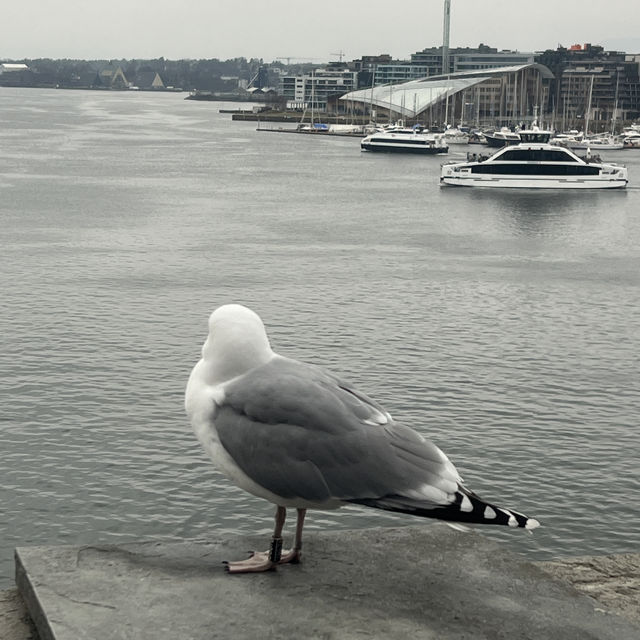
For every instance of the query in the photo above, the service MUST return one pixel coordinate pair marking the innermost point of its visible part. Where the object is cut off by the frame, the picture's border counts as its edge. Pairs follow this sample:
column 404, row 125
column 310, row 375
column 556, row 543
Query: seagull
column 302, row 438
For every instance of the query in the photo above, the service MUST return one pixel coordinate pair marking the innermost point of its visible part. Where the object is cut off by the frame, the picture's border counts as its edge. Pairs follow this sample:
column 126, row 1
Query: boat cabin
column 536, row 137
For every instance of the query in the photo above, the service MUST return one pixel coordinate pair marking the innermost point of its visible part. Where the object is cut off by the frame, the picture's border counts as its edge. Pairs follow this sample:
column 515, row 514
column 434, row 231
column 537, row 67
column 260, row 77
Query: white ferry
column 403, row 140
column 534, row 163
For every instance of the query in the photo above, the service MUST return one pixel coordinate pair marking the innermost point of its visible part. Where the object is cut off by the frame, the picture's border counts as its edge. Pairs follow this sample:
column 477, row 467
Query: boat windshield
column 516, row 154
column 535, row 136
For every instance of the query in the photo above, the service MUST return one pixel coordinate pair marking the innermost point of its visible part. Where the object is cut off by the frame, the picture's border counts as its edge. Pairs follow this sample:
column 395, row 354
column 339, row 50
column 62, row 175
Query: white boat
column 401, row 140
column 577, row 141
column 453, row 135
column 631, row 138
column 312, row 127
column 566, row 138
column 534, row 164
column 595, row 143
column 501, row 137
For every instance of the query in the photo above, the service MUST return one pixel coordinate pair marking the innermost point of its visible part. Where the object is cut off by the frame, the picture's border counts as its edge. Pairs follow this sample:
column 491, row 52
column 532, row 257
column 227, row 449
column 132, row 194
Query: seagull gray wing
column 302, row 433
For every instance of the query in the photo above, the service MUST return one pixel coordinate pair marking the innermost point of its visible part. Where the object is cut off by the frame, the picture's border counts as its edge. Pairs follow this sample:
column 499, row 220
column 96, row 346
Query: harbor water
column 503, row 325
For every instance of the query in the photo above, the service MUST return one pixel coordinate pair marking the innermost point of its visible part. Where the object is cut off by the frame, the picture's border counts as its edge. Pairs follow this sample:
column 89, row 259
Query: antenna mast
column 445, row 37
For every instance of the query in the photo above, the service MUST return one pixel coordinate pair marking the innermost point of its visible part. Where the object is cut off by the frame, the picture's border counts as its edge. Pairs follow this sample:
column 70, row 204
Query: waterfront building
column 397, row 72
column 292, row 89
column 368, row 63
column 468, row 58
column 148, row 79
column 15, row 74
column 111, row 76
column 565, row 88
column 382, row 69
column 592, row 85
column 481, row 98
column 314, row 90
column 12, row 67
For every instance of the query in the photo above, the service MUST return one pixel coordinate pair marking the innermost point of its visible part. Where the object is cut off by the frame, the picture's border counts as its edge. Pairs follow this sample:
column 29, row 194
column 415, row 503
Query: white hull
column 453, row 135
column 516, row 182
column 402, row 148
column 594, row 146
column 456, row 139
column 632, row 143
column 533, row 164
column 403, row 141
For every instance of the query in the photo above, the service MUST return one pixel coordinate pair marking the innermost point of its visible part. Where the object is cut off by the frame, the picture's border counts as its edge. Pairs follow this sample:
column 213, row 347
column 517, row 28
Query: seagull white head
column 237, row 343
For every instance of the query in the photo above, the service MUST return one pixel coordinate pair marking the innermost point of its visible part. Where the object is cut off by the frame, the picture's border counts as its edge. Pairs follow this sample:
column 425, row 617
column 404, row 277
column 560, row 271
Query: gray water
column 502, row 325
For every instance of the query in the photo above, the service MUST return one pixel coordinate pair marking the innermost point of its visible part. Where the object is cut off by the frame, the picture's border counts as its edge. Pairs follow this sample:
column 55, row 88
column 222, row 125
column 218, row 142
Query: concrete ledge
column 15, row 623
column 415, row 582
column 614, row 581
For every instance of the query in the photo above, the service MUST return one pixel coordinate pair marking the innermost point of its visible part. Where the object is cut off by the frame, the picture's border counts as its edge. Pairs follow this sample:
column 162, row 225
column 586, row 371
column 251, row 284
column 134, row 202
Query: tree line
column 202, row 74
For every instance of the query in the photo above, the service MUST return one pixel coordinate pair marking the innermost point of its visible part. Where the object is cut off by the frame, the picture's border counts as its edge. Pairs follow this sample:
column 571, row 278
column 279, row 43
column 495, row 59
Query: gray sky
column 270, row 29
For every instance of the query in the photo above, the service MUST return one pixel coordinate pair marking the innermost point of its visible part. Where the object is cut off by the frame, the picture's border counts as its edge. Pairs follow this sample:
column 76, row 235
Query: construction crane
column 340, row 54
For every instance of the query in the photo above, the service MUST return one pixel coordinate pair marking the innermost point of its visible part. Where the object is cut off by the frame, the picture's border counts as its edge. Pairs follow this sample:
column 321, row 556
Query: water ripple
column 503, row 327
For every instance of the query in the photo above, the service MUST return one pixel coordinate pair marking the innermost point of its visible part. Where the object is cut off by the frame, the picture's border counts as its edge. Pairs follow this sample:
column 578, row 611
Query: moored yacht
column 534, row 163
column 631, row 138
column 502, row 137
column 596, row 143
column 453, row 135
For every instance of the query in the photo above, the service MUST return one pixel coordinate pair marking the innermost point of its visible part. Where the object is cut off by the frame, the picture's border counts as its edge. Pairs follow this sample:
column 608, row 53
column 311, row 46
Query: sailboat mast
column 615, row 106
column 446, row 109
column 372, row 115
column 588, row 116
column 313, row 94
column 445, row 53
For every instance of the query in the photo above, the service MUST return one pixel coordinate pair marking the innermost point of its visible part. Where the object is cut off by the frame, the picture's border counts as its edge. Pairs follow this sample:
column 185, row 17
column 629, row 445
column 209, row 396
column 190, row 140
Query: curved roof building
column 503, row 91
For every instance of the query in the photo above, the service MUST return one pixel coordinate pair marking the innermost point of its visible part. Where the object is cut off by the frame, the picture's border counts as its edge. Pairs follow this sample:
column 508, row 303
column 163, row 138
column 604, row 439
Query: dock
column 317, row 132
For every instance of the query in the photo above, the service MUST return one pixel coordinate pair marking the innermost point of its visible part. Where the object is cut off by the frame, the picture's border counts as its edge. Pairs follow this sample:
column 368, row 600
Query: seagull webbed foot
column 255, row 563
column 260, row 561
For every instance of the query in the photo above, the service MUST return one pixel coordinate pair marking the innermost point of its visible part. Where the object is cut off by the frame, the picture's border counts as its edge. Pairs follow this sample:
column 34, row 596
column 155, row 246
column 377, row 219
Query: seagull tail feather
column 466, row 507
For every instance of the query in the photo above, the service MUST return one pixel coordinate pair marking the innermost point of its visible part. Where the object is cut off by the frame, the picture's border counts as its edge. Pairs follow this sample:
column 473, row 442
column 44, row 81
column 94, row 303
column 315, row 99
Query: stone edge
column 27, row 591
column 562, row 571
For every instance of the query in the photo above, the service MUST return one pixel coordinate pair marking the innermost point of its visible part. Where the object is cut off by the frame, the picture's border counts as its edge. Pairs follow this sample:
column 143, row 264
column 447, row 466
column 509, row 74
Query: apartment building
column 314, row 90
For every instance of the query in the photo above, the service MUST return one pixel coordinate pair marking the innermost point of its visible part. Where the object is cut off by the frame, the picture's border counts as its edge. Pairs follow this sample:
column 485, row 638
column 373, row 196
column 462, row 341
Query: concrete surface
column 415, row 582
column 614, row 581
column 15, row 623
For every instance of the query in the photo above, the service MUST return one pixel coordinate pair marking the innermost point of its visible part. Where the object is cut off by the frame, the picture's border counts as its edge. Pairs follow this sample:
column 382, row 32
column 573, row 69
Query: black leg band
column 275, row 552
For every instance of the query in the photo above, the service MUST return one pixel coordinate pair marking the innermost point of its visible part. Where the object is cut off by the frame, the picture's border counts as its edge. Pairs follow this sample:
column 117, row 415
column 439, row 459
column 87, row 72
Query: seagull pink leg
column 267, row 560
column 295, row 555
